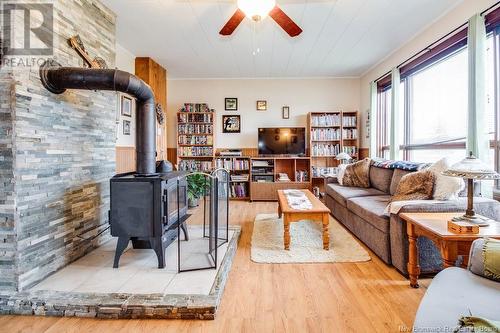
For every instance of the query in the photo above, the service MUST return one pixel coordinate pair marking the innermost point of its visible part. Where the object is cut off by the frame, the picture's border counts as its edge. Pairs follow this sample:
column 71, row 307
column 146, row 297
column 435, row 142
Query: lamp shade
column 471, row 168
column 343, row 157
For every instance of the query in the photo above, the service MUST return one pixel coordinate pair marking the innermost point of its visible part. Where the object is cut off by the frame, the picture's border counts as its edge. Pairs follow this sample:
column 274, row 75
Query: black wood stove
column 143, row 204
column 144, row 210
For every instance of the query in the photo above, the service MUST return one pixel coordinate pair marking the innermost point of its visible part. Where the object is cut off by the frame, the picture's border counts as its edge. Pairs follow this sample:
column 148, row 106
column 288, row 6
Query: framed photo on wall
column 231, row 124
column 126, row 106
column 231, row 104
column 126, row 127
column 261, row 105
column 286, row 112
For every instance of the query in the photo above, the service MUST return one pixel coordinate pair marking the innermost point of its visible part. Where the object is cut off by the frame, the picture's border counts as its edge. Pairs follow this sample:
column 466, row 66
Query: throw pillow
column 357, row 174
column 415, row 186
column 341, row 173
column 445, row 187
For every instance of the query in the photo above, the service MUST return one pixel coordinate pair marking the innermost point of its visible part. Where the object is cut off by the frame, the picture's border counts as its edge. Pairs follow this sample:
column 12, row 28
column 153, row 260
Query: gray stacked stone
column 57, row 156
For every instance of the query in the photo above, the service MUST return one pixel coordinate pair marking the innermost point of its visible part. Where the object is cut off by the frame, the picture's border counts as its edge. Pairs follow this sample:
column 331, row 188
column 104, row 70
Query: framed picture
column 231, row 104
column 126, row 127
column 126, row 106
column 231, row 124
column 286, row 112
column 261, row 105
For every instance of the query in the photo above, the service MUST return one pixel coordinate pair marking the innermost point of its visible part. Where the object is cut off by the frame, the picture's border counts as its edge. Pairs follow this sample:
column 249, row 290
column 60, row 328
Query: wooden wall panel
column 156, row 76
column 364, row 153
column 125, row 159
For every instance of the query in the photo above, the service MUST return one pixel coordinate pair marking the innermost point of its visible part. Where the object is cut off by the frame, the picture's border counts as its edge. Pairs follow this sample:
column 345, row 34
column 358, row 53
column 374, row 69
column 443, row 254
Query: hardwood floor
column 348, row 297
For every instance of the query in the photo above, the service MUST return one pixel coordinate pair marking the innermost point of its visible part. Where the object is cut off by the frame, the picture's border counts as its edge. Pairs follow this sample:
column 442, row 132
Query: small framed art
column 126, row 106
column 261, row 105
column 286, row 112
column 231, row 104
column 126, row 127
column 231, row 124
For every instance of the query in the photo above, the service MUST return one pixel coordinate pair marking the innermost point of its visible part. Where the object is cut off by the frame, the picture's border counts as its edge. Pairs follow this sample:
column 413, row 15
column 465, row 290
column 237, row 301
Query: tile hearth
column 90, row 287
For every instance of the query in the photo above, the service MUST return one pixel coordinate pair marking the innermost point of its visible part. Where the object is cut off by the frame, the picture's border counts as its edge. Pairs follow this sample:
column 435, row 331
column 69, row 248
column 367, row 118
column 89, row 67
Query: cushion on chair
column 396, row 177
column 357, row 174
column 371, row 209
column 341, row 193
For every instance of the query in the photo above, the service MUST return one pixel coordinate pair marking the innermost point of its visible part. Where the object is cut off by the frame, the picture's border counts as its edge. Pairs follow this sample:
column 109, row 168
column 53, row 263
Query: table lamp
column 471, row 169
column 343, row 158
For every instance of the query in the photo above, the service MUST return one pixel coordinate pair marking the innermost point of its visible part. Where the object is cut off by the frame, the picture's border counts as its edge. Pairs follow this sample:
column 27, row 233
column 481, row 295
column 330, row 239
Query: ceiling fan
column 258, row 10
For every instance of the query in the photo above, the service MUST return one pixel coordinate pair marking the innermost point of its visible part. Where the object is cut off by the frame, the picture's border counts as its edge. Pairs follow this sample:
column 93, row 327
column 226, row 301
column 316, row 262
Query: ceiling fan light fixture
column 256, row 9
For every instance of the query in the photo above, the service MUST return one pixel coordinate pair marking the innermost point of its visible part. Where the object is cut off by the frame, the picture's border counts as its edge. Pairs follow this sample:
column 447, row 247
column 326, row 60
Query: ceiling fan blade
column 285, row 22
column 233, row 23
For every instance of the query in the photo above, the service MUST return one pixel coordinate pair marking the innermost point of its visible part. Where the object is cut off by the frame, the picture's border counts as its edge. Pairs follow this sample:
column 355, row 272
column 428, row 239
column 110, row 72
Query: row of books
column 301, row 176
column 195, row 151
column 196, row 107
column 351, row 150
column 349, row 121
column 196, row 129
column 350, row 134
column 323, row 171
column 326, row 120
column 193, row 165
column 232, row 164
column 195, row 118
column 239, row 190
column 323, row 149
column 195, row 139
column 323, row 134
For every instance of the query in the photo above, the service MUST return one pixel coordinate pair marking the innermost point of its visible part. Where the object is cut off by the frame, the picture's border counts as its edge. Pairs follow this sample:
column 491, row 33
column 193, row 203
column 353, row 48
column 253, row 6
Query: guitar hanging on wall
column 76, row 43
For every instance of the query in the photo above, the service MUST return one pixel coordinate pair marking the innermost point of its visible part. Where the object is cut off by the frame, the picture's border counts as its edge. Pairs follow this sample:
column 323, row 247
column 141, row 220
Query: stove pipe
column 57, row 79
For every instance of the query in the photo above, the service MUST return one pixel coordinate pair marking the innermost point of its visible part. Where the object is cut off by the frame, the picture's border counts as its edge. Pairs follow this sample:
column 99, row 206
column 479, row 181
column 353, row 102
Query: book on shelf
column 195, row 140
column 301, row 176
column 351, row 150
column 324, row 171
column 195, row 151
column 325, row 149
column 350, row 134
column 350, row 121
column 232, row 164
column 239, row 190
column 195, row 165
column 196, row 107
column 195, row 128
column 283, row 178
column 195, row 118
column 325, row 120
column 325, row 134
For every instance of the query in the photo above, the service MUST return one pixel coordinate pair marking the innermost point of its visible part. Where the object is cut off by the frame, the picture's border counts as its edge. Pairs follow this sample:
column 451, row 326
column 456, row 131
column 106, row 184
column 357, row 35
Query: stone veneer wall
column 63, row 151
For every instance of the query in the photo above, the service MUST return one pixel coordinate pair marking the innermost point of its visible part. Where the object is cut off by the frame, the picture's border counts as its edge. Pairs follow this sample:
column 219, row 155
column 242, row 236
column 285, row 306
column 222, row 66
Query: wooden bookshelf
column 195, row 138
column 238, row 167
column 331, row 133
column 265, row 176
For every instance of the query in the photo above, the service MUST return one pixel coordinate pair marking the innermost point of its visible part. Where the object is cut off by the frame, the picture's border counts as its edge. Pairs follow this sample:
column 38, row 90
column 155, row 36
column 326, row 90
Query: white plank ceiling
column 341, row 38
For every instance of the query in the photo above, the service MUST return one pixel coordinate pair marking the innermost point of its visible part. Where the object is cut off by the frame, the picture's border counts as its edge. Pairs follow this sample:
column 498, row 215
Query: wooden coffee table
column 435, row 227
column 319, row 212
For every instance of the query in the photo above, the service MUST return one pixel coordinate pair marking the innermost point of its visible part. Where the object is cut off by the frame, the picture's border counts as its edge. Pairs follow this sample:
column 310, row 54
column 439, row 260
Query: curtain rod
column 433, row 44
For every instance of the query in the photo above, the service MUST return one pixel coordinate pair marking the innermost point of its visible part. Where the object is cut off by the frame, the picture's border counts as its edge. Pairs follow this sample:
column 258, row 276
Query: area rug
column 306, row 243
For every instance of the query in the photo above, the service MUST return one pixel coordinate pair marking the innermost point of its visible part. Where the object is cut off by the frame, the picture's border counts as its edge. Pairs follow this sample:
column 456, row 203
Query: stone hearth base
column 121, row 305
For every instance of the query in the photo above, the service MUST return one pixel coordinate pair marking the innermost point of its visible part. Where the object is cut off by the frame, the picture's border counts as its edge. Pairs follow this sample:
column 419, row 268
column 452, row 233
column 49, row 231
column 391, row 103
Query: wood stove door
column 171, row 201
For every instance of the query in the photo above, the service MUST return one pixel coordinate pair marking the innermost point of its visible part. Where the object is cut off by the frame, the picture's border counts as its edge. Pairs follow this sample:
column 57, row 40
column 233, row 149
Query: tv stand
column 265, row 172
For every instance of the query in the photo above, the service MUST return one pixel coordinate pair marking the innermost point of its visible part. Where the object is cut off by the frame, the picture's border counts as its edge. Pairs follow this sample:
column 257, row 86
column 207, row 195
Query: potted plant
column 197, row 185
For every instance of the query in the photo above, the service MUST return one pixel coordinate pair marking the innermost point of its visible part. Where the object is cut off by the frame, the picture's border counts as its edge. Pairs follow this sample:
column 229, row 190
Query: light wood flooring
column 348, row 297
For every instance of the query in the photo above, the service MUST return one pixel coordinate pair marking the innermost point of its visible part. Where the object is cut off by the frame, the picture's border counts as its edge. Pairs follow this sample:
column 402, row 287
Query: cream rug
column 306, row 244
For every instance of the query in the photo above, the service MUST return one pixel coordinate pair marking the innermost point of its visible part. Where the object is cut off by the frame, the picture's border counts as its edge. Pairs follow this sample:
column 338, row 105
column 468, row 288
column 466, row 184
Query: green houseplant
column 197, row 186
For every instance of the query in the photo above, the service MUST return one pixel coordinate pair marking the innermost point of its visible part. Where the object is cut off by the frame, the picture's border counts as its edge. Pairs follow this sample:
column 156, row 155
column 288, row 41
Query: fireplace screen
column 209, row 232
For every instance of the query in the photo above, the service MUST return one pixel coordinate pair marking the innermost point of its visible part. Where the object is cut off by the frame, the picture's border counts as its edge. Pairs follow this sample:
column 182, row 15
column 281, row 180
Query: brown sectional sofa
column 361, row 210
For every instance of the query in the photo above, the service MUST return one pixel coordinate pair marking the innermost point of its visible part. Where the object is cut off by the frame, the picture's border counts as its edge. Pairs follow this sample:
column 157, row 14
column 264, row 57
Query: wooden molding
column 125, row 159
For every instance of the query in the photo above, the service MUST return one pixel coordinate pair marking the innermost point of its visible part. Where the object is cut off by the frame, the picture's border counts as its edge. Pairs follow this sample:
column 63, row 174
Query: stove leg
column 157, row 245
column 121, row 245
column 185, row 231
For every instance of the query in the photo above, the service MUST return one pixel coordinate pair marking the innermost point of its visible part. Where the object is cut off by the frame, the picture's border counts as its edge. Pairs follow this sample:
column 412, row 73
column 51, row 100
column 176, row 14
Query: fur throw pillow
column 357, row 174
column 445, row 188
column 415, row 186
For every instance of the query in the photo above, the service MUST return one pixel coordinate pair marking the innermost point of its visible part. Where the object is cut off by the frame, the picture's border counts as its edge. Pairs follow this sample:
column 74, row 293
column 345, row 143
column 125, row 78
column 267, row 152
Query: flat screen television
column 282, row 141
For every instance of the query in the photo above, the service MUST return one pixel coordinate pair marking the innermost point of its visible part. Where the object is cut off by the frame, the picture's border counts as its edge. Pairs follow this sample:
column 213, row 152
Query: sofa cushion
column 415, row 186
column 357, row 174
column 396, row 177
column 380, row 178
column 342, row 193
column 371, row 209
column 456, row 292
